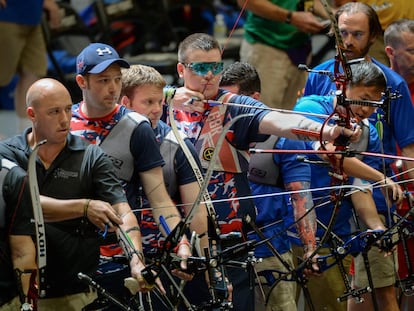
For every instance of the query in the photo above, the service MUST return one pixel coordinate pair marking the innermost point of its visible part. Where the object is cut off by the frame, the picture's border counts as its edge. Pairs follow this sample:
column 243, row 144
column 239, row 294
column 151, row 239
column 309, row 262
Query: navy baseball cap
column 96, row 57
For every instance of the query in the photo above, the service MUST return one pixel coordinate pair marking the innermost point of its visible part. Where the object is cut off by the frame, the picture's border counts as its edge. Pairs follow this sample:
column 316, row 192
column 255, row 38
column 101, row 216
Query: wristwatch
column 288, row 17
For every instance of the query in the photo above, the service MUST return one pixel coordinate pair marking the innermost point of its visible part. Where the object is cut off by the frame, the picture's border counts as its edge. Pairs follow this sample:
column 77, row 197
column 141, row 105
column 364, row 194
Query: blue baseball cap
column 96, row 57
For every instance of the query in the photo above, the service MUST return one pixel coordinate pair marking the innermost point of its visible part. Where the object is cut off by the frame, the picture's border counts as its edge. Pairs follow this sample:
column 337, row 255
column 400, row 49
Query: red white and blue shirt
column 228, row 189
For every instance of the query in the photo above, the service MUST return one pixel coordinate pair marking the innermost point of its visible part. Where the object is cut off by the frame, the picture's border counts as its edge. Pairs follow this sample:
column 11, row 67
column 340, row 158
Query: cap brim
column 105, row 64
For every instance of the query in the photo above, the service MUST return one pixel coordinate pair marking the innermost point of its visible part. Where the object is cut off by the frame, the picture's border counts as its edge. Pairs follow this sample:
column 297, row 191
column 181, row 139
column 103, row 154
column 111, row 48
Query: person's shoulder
column 373, row 132
column 391, row 76
column 14, row 145
column 133, row 115
column 163, row 128
column 78, row 144
column 7, row 164
column 11, row 173
column 142, row 133
column 14, row 171
column 75, row 142
column 245, row 100
column 312, row 101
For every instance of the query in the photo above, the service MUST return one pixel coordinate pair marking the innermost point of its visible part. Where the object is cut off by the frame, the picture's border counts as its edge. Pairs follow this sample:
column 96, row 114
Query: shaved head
column 46, row 88
column 49, row 107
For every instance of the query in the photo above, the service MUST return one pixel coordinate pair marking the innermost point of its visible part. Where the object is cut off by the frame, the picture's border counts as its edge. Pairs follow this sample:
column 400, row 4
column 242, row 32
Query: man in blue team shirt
column 270, row 175
column 359, row 26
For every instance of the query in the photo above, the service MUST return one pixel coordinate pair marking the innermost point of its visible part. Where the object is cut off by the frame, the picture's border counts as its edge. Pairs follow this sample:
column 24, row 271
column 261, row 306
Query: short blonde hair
column 139, row 75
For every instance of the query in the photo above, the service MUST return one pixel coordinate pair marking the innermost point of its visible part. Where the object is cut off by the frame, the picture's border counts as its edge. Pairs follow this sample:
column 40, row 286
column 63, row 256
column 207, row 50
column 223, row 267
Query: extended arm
column 282, row 124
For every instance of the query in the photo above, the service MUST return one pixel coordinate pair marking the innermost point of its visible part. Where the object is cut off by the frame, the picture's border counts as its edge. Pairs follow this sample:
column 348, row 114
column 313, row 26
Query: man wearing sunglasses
column 202, row 110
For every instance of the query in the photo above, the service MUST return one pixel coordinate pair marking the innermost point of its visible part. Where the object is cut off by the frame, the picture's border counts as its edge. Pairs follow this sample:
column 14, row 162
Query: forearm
column 53, row 12
column 188, row 194
column 129, row 224
column 59, row 210
column 131, row 228
column 319, row 10
column 199, row 225
column 356, row 168
column 164, row 208
column 265, row 9
column 48, row 4
column 285, row 124
column 171, row 218
column 305, row 216
column 160, row 201
column 365, row 208
column 23, row 254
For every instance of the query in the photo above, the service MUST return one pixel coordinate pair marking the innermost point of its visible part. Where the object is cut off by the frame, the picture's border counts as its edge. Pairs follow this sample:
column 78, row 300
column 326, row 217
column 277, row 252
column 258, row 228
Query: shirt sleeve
column 185, row 174
column 106, row 185
column 19, row 212
column 247, row 128
column 292, row 169
column 145, row 149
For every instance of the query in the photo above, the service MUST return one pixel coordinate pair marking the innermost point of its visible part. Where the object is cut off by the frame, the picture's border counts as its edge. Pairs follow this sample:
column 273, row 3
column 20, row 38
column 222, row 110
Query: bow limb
column 197, row 173
column 341, row 79
column 340, row 58
column 342, row 110
column 203, row 194
column 38, row 216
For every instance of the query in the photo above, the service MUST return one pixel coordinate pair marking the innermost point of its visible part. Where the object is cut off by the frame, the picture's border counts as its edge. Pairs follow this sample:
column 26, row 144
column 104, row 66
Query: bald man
column 80, row 194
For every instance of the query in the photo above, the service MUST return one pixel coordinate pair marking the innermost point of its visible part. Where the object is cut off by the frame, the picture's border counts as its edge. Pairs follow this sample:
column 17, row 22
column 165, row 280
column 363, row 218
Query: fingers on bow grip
column 386, row 243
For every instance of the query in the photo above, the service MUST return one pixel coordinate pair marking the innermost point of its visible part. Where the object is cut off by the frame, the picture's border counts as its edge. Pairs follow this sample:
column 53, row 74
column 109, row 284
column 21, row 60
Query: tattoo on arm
column 304, row 215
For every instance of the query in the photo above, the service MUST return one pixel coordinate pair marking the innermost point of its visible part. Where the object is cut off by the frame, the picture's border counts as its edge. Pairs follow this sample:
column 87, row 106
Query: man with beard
column 359, row 27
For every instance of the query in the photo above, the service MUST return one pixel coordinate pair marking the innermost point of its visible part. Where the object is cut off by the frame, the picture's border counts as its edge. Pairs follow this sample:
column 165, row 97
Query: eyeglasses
column 202, row 68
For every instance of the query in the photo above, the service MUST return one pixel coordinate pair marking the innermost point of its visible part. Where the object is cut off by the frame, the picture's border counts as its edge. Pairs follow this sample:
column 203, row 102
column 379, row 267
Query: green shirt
column 276, row 34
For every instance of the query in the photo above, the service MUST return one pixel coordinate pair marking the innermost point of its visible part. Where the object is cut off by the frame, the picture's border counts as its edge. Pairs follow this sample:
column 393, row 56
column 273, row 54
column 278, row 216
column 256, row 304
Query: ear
column 389, row 51
column 125, row 101
column 256, row 95
column 30, row 113
column 81, row 81
column 180, row 70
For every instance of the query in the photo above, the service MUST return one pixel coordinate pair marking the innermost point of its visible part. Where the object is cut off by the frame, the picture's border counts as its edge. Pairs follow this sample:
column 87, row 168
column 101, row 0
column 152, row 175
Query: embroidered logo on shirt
column 63, row 174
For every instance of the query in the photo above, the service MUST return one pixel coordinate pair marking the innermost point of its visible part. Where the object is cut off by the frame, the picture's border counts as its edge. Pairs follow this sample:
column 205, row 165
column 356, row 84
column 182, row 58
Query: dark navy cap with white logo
column 96, row 57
